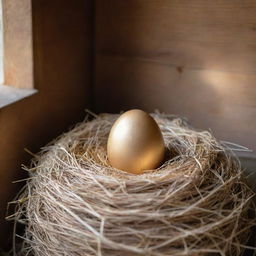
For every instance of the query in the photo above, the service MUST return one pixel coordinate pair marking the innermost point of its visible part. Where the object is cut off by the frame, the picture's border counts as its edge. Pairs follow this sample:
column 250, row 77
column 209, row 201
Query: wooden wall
column 62, row 59
column 191, row 58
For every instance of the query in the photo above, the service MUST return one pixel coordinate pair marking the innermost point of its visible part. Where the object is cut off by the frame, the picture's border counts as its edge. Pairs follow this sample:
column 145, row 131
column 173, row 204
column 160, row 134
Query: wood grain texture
column 221, row 101
column 18, row 52
column 192, row 58
column 219, row 35
column 62, row 57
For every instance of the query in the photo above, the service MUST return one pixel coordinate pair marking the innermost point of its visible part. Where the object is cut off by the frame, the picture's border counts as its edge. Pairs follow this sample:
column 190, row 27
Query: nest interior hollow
column 75, row 203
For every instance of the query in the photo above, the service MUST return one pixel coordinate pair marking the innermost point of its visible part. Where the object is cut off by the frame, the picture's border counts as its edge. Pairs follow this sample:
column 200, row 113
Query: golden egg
column 135, row 142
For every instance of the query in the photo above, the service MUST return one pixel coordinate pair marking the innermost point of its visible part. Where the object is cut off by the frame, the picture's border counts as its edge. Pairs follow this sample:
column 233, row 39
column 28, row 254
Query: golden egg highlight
column 135, row 143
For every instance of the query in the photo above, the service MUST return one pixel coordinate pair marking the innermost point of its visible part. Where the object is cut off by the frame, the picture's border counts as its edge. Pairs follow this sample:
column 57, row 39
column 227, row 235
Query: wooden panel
column 62, row 49
column 219, row 35
column 192, row 58
column 18, row 53
column 221, row 101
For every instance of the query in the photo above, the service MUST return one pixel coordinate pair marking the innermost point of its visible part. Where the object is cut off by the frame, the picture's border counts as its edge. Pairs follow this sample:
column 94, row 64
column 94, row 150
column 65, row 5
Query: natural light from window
column 16, row 51
column 1, row 45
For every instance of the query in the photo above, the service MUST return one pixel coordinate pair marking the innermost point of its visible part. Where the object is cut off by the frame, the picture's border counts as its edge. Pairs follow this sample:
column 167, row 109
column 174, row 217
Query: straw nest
column 75, row 203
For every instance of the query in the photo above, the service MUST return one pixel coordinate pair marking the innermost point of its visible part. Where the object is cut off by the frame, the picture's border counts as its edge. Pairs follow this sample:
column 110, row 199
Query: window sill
column 10, row 94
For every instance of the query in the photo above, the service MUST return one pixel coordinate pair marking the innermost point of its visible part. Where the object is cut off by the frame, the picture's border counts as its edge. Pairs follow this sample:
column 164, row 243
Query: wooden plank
column 221, row 101
column 203, row 34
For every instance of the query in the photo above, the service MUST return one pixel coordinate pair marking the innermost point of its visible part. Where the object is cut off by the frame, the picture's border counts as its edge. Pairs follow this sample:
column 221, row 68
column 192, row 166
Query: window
column 1, row 45
column 16, row 53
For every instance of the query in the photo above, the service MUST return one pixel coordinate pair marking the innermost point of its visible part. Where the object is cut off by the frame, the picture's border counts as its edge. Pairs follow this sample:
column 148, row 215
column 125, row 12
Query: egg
column 135, row 143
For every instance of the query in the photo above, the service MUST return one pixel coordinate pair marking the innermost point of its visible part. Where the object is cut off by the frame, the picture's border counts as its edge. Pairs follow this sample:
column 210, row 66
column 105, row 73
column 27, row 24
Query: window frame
column 17, row 51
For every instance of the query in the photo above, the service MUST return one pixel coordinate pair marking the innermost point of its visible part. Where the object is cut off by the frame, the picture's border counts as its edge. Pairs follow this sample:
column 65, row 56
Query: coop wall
column 196, row 59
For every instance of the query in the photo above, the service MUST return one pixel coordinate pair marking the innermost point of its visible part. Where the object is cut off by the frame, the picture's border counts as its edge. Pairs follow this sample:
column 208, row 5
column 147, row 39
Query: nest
column 75, row 203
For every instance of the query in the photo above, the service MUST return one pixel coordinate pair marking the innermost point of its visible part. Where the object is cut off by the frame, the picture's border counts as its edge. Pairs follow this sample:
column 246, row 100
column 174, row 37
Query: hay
column 74, row 203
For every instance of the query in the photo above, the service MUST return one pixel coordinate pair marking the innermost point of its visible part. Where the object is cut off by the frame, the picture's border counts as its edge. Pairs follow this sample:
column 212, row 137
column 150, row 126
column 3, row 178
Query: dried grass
column 74, row 203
